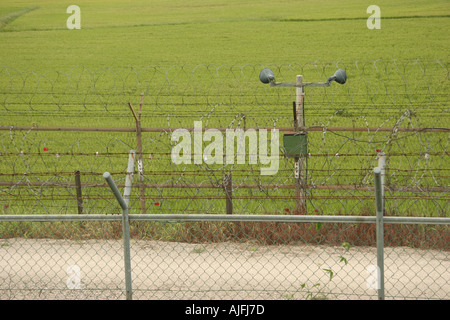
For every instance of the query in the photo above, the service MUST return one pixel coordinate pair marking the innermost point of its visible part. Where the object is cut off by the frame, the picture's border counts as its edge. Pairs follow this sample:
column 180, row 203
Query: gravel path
column 41, row 269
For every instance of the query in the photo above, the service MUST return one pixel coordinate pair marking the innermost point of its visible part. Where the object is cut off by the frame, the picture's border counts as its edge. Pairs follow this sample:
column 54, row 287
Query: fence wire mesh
column 221, row 260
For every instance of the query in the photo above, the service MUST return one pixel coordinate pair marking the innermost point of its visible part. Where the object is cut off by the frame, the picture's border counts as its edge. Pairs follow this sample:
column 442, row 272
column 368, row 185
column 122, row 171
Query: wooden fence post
column 78, row 189
column 299, row 162
column 228, row 186
column 139, row 152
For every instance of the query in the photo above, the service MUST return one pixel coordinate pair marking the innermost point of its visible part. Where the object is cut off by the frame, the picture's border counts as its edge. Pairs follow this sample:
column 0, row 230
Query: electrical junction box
column 295, row 144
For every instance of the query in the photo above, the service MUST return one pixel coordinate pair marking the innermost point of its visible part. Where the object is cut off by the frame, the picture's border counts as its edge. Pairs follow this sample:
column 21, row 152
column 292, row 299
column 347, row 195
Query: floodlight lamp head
column 266, row 76
column 339, row 76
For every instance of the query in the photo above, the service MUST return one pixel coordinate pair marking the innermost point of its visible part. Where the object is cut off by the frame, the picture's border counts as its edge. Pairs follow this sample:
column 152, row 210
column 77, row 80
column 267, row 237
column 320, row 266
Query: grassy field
column 116, row 34
column 109, row 62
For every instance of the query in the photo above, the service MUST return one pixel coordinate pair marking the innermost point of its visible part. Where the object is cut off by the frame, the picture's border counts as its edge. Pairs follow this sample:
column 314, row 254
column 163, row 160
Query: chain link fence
column 59, row 123
column 176, row 259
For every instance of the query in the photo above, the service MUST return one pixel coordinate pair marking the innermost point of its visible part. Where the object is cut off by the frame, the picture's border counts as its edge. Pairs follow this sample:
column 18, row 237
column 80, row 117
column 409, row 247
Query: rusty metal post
column 78, row 190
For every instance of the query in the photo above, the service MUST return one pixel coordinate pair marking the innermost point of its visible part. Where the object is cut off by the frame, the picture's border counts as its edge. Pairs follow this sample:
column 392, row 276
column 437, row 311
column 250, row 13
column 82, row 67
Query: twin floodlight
column 295, row 143
column 266, row 76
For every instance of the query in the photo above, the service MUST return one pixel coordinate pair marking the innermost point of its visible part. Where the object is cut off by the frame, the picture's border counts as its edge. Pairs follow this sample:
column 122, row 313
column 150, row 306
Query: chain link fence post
column 380, row 234
column 125, row 232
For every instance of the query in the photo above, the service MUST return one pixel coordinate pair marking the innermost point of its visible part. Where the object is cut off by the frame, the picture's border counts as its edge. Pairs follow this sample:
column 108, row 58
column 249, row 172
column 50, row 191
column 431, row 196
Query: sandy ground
column 41, row 269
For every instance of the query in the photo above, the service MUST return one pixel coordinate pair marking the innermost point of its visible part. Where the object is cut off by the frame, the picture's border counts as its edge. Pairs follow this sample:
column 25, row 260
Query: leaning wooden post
column 299, row 161
column 139, row 152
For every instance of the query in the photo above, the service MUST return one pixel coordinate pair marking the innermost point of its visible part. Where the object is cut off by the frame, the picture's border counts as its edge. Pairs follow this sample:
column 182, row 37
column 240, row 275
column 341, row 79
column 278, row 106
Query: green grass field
column 116, row 34
column 208, row 55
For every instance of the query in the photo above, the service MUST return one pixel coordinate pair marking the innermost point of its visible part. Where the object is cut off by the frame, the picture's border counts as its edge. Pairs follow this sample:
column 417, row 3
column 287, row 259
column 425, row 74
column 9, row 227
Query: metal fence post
column 129, row 177
column 380, row 233
column 382, row 165
column 125, row 232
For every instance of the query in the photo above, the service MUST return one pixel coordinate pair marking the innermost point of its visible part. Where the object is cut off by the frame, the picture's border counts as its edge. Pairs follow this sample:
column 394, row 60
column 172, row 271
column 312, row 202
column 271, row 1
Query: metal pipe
column 301, row 85
column 380, row 233
column 59, row 217
column 253, row 218
column 115, row 191
column 125, row 233
column 224, row 217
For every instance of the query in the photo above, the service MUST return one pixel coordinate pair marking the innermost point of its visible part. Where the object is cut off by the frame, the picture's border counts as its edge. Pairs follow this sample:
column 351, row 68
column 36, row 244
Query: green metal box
column 295, row 144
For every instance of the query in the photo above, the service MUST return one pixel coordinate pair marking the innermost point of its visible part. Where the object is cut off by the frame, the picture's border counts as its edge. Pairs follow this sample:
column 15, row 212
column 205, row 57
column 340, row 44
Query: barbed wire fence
column 391, row 107
column 57, row 124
